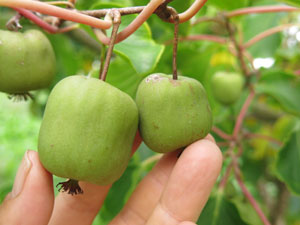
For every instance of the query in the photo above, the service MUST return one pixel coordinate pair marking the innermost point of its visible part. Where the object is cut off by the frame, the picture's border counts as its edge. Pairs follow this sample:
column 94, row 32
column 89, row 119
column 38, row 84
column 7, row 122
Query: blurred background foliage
column 271, row 173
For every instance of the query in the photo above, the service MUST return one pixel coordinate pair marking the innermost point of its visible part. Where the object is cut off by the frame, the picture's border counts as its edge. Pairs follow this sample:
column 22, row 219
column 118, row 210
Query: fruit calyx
column 70, row 186
column 20, row 97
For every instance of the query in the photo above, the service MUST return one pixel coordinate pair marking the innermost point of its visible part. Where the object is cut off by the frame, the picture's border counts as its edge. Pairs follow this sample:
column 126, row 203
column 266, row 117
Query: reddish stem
column 57, row 11
column 188, row 14
column 41, row 23
column 267, row 33
column 248, row 195
column 135, row 24
column 38, row 21
column 261, row 9
column 226, row 176
column 221, row 133
column 242, row 113
column 205, row 37
column 265, row 137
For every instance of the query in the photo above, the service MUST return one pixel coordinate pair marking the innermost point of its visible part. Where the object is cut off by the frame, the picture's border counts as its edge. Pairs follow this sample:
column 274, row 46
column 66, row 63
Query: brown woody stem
column 116, row 25
column 175, row 43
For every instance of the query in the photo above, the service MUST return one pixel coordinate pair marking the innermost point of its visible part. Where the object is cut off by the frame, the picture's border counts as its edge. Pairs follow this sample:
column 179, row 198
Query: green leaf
column 83, row 4
column 288, row 161
column 120, row 192
column 122, row 75
column 228, row 4
column 140, row 49
column 284, row 87
column 252, row 26
column 219, row 211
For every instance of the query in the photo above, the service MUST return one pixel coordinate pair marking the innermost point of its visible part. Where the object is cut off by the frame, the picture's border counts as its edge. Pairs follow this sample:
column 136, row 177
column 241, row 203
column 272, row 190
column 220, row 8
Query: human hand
column 174, row 192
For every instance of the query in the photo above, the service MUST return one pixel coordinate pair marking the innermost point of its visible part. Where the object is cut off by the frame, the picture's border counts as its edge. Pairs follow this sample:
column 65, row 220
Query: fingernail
column 21, row 176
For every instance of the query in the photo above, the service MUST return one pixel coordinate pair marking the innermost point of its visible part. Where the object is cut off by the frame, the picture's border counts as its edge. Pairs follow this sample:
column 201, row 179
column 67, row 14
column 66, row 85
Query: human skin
column 174, row 192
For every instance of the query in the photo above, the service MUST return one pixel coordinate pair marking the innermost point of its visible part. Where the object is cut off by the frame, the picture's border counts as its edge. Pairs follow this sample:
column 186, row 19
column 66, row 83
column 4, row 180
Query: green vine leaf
column 140, row 49
column 288, row 161
column 283, row 87
column 220, row 211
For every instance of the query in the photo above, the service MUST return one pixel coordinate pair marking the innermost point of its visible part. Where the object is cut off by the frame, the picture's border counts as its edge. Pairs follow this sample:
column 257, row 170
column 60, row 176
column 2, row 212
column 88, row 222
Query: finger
column 82, row 209
column 32, row 195
column 79, row 209
column 209, row 137
column 187, row 223
column 189, row 185
column 145, row 197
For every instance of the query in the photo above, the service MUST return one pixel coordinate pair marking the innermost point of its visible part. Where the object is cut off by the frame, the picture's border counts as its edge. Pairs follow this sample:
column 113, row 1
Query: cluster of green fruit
column 89, row 126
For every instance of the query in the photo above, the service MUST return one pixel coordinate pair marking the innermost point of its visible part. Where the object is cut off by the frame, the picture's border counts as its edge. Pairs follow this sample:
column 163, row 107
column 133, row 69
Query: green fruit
column 87, row 131
column 227, row 87
column 173, row 113
column 27, row 61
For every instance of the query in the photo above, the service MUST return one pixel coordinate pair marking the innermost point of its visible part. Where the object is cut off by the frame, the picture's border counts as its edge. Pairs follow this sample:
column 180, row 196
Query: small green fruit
column 87, row 131
column 227, row 87
column 27, row 61
column 173, row 113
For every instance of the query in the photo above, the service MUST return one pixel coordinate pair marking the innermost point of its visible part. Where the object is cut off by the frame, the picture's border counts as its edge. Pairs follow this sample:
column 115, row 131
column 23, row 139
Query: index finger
column 189, row 185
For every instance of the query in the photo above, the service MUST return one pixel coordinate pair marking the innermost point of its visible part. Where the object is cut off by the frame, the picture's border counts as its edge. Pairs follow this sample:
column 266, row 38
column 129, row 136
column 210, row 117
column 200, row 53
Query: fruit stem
column 70, row 186
column 175, row 17
column 102, row 58
column 116, row 25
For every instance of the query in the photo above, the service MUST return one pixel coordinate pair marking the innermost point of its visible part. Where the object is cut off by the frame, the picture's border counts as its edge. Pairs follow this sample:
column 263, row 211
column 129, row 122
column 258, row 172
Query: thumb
column 32, row 198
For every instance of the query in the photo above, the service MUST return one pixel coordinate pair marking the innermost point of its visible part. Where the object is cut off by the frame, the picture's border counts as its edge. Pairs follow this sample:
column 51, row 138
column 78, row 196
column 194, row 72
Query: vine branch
column 242, row 113
column 66, row 14
column 261, row 9
column 268, row 33
column 205, row 37
column 43, row 24
column 247, row 193
column 221, row 133
column 264, row 137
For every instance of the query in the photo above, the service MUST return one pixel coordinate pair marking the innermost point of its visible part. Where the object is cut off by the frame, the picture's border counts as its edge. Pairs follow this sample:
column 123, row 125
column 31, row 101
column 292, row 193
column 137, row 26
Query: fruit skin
column 227, row 87
column 173, row 113
column 87, row 131
column 27, row 61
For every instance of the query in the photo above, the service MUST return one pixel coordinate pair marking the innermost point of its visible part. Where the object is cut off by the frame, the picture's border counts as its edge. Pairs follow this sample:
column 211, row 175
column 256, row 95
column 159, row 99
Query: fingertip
column 210, row 138
column 208, row 149
column 192, row 180
column 35, row 159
